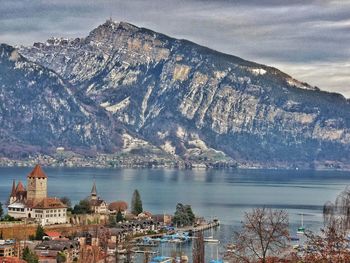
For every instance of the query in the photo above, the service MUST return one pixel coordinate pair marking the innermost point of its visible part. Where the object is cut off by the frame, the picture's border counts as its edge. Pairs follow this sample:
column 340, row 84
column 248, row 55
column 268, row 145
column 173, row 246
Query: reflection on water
column 226, row 194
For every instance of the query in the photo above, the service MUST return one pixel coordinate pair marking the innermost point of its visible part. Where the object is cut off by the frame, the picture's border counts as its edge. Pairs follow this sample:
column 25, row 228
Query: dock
column 199, row 228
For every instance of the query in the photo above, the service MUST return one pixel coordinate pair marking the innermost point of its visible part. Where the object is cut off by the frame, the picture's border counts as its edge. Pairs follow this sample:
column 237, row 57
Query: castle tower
column 20, row 192
column 93, row 195
column 36, row 184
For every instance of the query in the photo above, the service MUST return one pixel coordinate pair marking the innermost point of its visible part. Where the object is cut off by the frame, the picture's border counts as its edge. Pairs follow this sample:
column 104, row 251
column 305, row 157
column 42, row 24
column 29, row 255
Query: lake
column 225, row 194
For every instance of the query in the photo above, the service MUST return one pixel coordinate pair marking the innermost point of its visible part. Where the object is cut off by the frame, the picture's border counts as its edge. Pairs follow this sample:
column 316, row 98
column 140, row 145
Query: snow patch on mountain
column 258, row 71
column 118, row 106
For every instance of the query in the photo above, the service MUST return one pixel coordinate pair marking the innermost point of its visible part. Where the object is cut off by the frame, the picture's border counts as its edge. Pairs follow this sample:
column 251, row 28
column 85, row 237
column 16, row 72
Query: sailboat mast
column 302, row 220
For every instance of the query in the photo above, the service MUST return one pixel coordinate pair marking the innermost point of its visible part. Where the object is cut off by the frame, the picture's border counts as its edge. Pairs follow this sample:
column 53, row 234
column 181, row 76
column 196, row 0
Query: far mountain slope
column 38, row 112
column 198, row 103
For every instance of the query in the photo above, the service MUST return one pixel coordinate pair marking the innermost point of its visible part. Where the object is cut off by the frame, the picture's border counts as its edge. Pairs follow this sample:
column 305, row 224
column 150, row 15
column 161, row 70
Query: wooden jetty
column 202, row 227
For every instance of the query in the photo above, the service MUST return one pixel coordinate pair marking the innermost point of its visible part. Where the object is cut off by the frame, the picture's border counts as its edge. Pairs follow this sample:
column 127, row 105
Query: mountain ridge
column 198, row 104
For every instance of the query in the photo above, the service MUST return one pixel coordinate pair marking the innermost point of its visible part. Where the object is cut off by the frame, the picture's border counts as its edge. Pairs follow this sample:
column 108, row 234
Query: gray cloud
column 307, row 39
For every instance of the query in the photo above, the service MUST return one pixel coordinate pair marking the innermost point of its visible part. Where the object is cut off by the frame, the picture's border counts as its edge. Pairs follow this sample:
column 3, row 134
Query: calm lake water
column 225, row 194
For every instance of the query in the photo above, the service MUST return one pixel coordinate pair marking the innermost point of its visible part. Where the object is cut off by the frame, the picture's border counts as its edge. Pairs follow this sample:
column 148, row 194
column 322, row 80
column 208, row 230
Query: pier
column 201, row 227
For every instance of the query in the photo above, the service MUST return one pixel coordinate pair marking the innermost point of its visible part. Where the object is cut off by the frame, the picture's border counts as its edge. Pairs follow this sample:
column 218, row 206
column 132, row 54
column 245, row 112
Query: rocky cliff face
column 38, row 112
column 194, row 102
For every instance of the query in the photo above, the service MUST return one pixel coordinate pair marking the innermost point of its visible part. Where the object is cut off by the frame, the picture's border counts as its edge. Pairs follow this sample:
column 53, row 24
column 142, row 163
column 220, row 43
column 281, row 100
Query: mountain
column 38, row 112
column 194, row 103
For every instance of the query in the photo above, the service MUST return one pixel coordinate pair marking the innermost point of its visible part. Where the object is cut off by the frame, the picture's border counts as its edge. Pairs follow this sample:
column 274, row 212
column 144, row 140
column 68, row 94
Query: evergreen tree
column 112, row 220
column 29, row 256
column 61, row 257
column 119, row 217
column 183, row 215
column 82, row 208
column 39, row 234
column 190, row 214
column 136, row 203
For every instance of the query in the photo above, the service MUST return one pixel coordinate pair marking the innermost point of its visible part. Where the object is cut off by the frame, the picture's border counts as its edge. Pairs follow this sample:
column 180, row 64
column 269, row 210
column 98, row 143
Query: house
column 139, row 226
column 144, row 215
column 88, row 238
column 7, row 248
column 50, row 211
column 33, row 203
column 48, row 250
column 117, row 235
column 52, row 235
column 163, row 219
column 116, row 206
column 97, row 205
column 92, row 237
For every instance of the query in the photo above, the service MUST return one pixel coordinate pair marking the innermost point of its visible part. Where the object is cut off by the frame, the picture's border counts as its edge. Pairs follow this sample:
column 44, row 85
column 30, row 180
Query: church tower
column 93, row 195
column 36, row 184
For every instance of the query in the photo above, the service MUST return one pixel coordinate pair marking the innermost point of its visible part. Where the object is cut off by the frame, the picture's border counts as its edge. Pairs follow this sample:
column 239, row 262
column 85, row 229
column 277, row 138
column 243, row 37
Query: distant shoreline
column 171, row 166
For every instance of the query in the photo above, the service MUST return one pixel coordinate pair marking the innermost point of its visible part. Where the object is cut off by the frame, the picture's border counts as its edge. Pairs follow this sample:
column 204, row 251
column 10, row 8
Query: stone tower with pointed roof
column 36, row 184
column 13, row 193
column 93, row 195
column 18, row 193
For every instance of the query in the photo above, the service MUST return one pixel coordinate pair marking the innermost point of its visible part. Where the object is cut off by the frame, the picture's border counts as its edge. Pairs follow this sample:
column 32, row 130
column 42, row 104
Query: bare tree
column 331, row 245
column 339, row 210
column 264, row 234
column 128, row 247
column 328, row 212
column 198, row 248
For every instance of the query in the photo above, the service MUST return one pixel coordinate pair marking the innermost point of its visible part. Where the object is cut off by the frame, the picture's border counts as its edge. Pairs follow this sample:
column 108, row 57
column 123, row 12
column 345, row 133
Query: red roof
column 11, row 260
column 118, row 205
column 20, row 187
column 49, row 203
column 52, row 234
column 37, row 172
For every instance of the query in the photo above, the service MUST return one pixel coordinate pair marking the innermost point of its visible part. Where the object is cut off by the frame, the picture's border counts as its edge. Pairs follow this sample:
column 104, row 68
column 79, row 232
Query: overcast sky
column 308, row 39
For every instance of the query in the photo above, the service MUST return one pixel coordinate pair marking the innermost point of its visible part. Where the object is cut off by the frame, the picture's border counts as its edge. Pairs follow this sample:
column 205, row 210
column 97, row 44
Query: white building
column 34, row 203
column 50, row 211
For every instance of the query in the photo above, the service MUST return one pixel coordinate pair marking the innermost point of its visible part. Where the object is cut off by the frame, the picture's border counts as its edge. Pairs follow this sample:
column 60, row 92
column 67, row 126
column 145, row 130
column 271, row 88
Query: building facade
column 33, row 203
column 7, row 248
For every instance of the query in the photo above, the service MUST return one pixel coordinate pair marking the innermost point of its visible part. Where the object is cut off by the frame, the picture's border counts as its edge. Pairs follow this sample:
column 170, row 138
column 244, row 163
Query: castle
column 33, row 203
